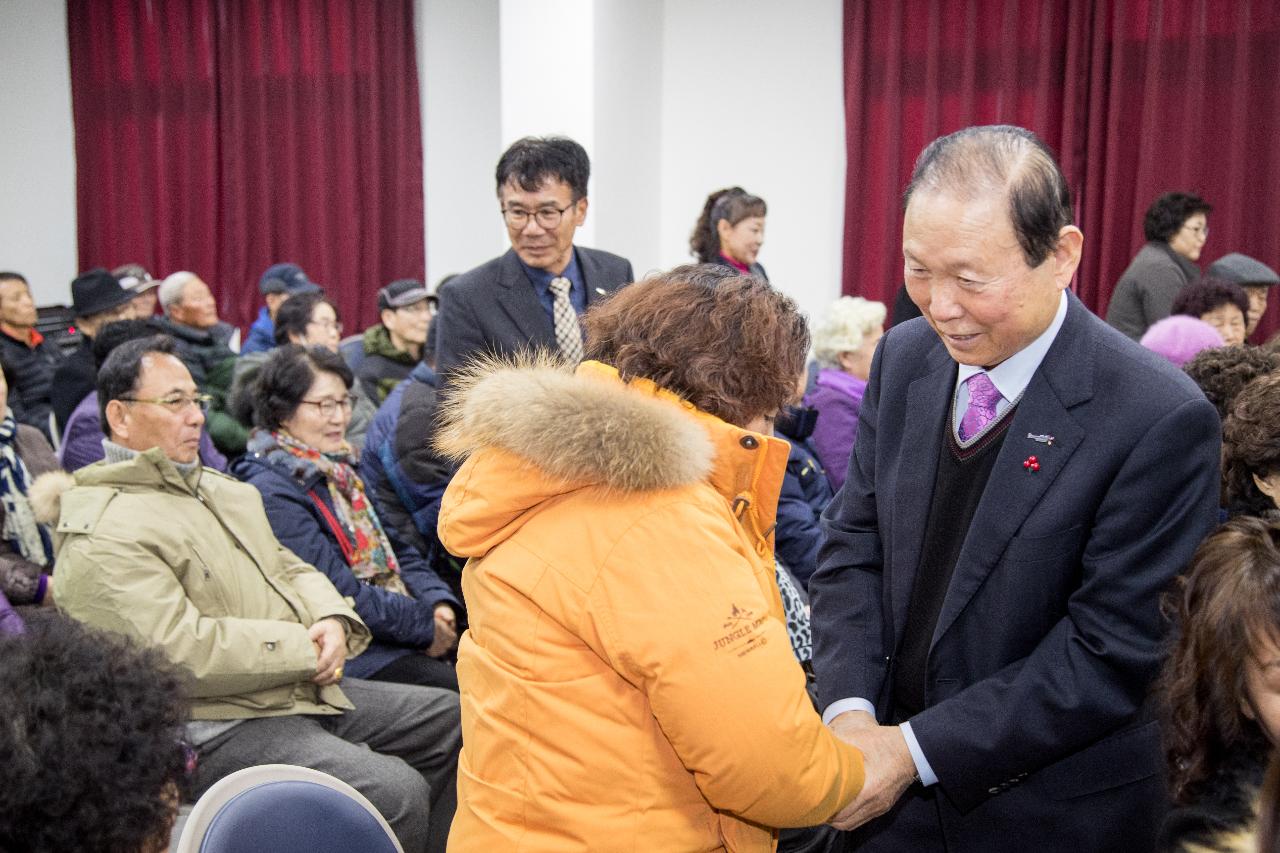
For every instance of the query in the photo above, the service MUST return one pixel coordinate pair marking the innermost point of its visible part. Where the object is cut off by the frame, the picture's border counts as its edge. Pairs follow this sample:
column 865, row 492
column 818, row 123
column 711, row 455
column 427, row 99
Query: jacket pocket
column 1118, row 759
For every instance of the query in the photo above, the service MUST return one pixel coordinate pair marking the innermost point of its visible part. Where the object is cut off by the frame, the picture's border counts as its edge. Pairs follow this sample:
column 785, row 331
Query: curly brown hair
column 1251, row 445
column 1223, row 372
column 727, row 343
column 1229, row 597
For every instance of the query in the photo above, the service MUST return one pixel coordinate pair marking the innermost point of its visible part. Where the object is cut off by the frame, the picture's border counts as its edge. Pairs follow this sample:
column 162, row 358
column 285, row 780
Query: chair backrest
column 285, row 809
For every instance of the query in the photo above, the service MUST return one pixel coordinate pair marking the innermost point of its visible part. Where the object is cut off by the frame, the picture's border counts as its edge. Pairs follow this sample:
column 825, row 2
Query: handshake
column 888, row 768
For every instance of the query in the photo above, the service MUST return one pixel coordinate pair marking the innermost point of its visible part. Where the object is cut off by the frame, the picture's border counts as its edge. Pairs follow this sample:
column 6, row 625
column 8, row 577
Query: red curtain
column 222, row 136
column 1137, row 97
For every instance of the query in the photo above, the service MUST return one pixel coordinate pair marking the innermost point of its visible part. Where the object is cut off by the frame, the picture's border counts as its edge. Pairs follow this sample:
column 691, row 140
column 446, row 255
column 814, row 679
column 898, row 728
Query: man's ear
column 580, row 211
column 118, row 420
column 1066, row 255
column 1269, row 486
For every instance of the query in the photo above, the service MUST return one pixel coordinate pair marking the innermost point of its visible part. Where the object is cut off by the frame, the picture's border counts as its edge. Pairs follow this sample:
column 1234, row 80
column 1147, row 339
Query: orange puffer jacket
column 627, row 682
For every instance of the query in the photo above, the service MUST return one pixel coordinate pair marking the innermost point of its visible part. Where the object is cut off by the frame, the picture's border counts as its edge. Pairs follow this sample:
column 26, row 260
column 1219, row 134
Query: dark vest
column 961, row 479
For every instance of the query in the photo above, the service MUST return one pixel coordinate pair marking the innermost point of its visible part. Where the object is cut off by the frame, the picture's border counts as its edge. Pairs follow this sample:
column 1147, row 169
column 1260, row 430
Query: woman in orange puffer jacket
column 627, row 681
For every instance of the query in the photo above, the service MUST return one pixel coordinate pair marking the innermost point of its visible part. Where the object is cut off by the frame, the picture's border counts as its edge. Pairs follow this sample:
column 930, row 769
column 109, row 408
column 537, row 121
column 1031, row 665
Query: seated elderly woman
column 1221, row 687
column 26, row 546
column 626, row 659
column 1251, row 450
column 1221, row 304
column 843, row 343
column 92, row 740
column 310, row 320
column 298, row 457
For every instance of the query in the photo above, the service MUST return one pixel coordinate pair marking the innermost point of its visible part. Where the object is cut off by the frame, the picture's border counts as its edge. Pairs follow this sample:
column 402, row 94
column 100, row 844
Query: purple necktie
column 983, row 398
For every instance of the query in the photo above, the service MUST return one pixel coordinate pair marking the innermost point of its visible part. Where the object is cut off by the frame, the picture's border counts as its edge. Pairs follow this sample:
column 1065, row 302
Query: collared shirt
column 541, row 280
column 1011, row 377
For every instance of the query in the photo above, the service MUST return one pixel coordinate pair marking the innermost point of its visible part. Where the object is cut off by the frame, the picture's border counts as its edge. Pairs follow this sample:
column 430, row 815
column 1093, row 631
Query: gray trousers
column 399, row 748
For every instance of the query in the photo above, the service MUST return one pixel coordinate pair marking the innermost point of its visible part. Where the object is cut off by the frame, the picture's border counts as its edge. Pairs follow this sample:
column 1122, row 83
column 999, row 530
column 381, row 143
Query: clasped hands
column 888, row 769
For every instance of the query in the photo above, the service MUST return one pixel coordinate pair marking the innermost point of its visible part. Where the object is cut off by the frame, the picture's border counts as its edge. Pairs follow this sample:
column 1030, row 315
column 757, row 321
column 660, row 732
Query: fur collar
column 585, row 426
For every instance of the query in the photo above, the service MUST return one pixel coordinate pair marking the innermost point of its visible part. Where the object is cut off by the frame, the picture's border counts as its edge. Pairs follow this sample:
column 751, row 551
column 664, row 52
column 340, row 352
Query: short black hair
column 533, row 159
column 10, row 275
column 285, row 378
column 1199, row 297
column 1005, row 158
column 294, row 314
column 118, row 376
column 114, row 334
column 1167, row 214
column 92, row 740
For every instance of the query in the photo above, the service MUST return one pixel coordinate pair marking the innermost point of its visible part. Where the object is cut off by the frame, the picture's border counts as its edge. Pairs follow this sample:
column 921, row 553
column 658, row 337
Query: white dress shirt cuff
column 838, row 707
column 923, row 770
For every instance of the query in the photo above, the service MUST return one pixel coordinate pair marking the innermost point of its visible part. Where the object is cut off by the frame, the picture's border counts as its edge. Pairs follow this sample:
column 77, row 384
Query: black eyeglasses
column 546, row 217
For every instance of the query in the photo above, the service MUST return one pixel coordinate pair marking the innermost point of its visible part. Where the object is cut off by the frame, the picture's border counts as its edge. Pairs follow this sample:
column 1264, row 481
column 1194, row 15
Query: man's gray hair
column 170, row 291
column 1006, row 159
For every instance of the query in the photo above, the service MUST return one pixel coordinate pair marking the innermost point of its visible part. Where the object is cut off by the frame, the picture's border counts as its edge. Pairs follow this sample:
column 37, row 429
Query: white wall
column 461, row 131
column 752, row 95
column 37, row 163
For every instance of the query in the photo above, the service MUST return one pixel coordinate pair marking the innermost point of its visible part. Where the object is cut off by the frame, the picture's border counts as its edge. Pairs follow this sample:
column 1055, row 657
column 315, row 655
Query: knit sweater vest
column 961, row 479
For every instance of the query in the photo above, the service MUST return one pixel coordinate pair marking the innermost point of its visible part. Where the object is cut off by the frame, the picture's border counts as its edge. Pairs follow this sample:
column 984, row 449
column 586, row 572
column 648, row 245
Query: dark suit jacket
column 494, row 308
column 1049, row 635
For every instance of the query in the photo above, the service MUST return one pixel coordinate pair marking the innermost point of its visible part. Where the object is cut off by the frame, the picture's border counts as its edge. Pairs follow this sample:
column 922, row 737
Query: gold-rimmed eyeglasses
column 175, row 402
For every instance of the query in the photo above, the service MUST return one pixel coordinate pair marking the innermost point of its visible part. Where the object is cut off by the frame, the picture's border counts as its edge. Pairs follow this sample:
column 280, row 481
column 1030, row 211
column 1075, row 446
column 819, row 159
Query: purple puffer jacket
column 838, row 397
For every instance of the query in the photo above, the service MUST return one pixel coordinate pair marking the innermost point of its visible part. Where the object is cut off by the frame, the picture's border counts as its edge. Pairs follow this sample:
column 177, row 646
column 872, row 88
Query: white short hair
column 844, row 328
column 171, row 288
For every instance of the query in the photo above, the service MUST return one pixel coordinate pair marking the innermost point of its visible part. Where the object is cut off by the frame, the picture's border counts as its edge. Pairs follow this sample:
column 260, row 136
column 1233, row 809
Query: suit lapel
column 517, row 299
column 592, row 276
column 1063, row 380
column 928, row 406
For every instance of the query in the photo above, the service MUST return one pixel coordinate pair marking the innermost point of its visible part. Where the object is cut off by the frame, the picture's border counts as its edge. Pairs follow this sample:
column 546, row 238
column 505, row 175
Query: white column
column 459, row 83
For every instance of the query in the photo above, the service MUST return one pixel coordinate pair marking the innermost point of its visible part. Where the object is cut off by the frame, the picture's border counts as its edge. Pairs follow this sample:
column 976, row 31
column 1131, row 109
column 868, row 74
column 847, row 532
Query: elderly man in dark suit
column 1026, row 483
column 532, row 296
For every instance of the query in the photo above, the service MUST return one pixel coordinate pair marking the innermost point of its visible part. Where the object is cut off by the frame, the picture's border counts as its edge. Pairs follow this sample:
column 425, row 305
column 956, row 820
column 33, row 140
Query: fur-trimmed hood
column 45, row 495
column 576, row 428
column 550, row 431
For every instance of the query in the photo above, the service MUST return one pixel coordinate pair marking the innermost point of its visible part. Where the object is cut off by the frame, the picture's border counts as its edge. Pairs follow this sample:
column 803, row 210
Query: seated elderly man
column 1254, row 276
column 191, row 319
column 31, row 358
column 156, row 547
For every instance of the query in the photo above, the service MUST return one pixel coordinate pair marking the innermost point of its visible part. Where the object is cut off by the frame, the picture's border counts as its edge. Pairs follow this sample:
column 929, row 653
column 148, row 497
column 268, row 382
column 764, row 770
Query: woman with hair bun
column 730, row 231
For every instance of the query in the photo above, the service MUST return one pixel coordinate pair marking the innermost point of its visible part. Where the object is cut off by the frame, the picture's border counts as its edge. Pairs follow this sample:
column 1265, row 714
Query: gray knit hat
column 1242, row 269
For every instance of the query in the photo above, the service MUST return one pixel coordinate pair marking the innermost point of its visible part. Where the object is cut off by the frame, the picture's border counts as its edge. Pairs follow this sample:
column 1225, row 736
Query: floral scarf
column 21, row 530
column 367, row 549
